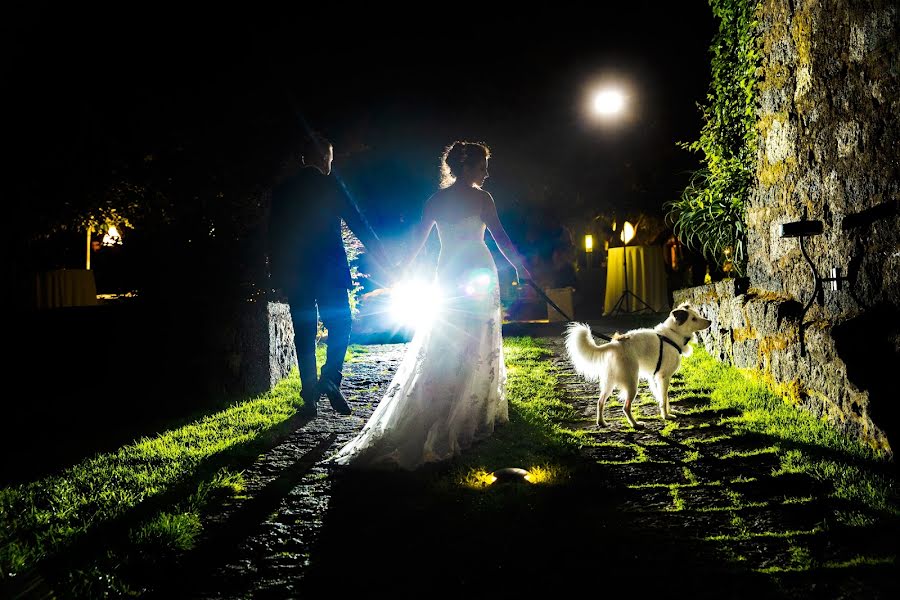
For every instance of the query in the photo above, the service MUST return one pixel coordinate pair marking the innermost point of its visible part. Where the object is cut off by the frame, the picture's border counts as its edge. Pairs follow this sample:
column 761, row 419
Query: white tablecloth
column 65, row 287
column 646, row 279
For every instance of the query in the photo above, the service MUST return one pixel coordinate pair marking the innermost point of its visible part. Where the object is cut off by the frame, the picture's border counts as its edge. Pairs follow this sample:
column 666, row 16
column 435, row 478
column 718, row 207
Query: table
column 646, row 279
column 65, row 287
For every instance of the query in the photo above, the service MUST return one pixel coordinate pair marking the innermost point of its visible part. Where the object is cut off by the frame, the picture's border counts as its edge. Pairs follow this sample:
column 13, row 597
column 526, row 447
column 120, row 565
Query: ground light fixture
column 510, row 475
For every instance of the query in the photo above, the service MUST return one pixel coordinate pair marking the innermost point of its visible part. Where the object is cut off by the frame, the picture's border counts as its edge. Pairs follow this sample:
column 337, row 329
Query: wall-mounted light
column 589, row 243
column 802, row 230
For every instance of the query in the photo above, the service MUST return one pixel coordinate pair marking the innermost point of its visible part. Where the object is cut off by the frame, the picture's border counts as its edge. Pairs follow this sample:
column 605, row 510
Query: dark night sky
column 390, row 96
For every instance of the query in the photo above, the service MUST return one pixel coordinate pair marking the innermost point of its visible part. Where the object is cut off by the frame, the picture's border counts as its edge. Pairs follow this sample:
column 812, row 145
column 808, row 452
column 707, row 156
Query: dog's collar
column 663, row 339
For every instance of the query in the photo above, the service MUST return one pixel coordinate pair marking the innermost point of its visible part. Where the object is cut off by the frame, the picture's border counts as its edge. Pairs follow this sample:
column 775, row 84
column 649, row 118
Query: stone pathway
column 691, row 489
column 696, row 479
column 272, row 558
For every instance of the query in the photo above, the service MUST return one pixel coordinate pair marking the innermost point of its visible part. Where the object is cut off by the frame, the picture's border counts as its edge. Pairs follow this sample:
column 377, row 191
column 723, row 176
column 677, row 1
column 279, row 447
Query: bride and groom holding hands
column 449, row 390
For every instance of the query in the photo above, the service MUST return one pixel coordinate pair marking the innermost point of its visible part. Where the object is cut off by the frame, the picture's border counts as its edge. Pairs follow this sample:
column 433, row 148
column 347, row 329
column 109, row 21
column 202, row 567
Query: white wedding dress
column 449, row 390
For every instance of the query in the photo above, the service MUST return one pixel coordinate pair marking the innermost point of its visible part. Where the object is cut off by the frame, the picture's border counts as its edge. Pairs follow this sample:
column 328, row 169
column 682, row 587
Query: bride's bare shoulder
column 434, row 202
column 442, row 198
column 454, row 203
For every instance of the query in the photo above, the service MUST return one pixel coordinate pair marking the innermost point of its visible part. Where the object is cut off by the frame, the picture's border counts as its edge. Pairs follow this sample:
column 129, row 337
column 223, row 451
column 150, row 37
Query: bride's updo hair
column 459, row 154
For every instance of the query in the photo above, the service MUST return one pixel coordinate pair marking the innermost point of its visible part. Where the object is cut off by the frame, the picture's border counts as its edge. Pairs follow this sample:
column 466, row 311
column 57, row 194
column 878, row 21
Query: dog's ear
column 680, row 315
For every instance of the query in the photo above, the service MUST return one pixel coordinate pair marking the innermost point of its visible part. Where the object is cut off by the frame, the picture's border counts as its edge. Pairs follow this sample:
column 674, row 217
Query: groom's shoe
column 309, row 407
column 310, row 400
column 337, row 399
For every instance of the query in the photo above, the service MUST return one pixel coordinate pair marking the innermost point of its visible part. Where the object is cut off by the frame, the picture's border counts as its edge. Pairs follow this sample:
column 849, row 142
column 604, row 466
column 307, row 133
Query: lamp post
column 608, row 102
column 588, row 249
column 112, row 237
column 628, row 231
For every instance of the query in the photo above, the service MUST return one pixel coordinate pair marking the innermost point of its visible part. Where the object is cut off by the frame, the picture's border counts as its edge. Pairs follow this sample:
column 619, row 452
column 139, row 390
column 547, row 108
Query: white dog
column 654, row 354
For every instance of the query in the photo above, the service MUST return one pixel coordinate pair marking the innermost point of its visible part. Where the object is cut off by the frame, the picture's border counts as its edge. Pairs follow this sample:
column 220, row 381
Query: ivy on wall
column 709, row 216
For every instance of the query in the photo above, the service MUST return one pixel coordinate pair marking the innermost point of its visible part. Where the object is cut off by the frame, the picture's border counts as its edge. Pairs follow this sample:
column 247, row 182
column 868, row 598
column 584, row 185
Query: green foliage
column 710, row 214
column 847, row 464
column 353, row 247
column 39, row 517
column 170, row 531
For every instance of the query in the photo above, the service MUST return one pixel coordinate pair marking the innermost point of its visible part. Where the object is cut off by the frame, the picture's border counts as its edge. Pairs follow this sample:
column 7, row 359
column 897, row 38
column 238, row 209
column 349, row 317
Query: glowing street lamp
column 112, row 237
column 627, row 234
column 588, row 243
column 608, row 102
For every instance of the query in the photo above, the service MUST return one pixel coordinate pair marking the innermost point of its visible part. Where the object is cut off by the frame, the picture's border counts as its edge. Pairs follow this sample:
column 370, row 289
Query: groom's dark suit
column 309, row 264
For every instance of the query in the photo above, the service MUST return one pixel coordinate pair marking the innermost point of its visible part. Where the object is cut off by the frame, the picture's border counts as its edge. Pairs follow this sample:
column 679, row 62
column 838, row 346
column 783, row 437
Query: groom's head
column 318, row 153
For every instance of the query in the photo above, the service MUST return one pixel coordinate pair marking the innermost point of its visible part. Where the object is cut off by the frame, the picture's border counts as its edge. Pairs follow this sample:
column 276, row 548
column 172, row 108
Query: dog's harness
column 663, row 339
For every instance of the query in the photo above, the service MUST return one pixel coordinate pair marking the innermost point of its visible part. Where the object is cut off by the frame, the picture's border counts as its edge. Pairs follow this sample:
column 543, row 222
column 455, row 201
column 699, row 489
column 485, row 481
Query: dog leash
column 558, row 309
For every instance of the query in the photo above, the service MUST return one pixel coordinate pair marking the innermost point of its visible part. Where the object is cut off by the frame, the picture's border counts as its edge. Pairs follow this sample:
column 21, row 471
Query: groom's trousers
column 329, row 301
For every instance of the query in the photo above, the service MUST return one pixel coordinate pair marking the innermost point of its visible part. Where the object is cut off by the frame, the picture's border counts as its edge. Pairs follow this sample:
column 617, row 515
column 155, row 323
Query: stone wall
column 250, row 350
column 121, row 370
column 829, row 150
column 759, row 330
column 282, row 353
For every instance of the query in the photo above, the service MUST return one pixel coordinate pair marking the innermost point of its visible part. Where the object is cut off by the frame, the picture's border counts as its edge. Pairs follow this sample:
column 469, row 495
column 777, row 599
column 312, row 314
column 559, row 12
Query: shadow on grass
column 393, row 532
column 110, row 538
column 222, row 543
column 39, row 442
column 416, row 533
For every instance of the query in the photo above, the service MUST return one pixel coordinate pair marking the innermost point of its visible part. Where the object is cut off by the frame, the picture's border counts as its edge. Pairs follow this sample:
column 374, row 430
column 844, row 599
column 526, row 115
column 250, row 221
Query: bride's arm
column 492, row 220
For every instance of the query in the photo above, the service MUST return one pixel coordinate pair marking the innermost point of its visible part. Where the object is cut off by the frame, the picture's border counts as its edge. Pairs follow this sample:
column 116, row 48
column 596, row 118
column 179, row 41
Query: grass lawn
column 174, row 474
column 453, row 523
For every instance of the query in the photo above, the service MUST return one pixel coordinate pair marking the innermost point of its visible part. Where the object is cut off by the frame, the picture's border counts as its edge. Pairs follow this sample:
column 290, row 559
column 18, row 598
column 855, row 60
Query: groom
column 309, row 264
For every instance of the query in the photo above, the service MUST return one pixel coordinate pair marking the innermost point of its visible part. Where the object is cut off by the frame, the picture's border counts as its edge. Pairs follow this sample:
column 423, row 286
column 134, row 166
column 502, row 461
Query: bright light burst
column 609, row 102
column 112, row 237
column 479, row 283
column 628, row 232
column 415, row 303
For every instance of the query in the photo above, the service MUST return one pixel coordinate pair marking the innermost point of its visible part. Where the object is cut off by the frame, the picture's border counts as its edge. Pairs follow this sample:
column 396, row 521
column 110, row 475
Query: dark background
column 203, row 108
column 184, row 120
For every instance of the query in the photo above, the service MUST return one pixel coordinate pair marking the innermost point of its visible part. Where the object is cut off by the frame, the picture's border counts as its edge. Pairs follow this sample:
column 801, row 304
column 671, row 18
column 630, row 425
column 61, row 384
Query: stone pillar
column 282, row 353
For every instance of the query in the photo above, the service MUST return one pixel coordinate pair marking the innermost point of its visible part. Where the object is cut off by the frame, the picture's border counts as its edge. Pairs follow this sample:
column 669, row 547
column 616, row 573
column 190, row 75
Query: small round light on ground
column 510, row 474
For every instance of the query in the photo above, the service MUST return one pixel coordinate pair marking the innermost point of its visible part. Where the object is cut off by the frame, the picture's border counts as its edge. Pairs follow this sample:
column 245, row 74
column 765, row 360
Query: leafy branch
column 709, row 216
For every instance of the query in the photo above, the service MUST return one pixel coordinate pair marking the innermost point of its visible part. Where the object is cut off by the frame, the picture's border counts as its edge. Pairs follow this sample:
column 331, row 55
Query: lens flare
column 479, row 283
column 415, row 303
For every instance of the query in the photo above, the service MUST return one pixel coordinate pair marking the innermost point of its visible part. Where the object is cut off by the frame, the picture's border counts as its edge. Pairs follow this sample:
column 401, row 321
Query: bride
column 449, row 390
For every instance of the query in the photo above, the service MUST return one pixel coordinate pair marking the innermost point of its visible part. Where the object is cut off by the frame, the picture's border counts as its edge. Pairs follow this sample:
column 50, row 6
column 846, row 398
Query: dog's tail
column 584, row 352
